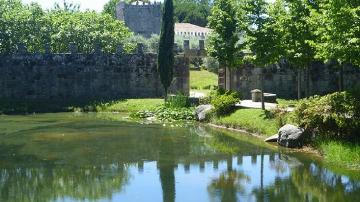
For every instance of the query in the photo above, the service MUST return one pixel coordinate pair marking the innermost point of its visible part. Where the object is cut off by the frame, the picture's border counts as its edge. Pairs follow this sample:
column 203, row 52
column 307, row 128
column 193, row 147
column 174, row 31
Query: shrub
column 177, row 101
column 335, row 115
column 211, row 64
column 207, row 87
column 280, row 114
column 224, row 102
column 166, row 114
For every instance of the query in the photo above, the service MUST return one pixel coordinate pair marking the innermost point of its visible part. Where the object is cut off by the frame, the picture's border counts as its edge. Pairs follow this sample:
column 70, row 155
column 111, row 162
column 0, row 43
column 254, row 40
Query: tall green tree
column 110, row 7
column 33, row 27
column 192, row 11
column 223, row 42
column 262, row 38
column 297, row 34
column 337, row 25
column 166, row 46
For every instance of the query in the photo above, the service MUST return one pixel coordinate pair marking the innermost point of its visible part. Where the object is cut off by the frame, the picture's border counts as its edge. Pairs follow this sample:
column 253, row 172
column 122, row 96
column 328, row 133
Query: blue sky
column 96, row 5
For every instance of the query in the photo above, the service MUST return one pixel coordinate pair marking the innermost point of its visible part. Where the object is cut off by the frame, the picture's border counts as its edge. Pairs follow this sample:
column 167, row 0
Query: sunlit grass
column 130, row 105
column 202, row 80
column 253, row 120
column 336, row 152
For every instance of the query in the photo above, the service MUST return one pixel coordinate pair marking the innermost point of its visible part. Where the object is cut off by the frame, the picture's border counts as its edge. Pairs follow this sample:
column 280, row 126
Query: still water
column 89, row 157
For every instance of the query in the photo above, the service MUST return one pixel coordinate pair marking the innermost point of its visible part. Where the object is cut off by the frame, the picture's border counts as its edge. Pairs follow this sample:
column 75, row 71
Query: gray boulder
column 201, row 111
column 290, row 136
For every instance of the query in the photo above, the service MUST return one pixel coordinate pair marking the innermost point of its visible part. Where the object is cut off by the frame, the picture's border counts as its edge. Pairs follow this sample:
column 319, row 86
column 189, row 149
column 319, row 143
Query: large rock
column 290, row 136
column 201, row 111
column 273, row 138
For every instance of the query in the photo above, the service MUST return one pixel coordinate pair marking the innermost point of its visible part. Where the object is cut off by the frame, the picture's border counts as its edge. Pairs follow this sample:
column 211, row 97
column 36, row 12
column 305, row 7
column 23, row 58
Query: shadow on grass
column 13, row 107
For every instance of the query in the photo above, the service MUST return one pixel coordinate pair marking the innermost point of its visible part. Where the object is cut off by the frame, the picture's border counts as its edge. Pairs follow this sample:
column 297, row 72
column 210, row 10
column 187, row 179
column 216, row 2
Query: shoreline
column 305, row 149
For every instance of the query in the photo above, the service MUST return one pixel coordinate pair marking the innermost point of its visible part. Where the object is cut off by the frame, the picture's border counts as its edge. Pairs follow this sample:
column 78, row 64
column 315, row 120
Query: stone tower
column 141, row 18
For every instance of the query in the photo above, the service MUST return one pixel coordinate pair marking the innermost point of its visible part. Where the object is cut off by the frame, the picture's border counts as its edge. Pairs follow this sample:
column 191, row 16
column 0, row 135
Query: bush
column 224, row 102
column 211, row 64
column 335, row 115
column 166, row 114
column 177, row 101
column 280, row 114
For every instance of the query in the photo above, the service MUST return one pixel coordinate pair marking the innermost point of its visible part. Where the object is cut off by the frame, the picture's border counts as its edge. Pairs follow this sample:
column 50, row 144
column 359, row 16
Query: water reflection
column 90, row 160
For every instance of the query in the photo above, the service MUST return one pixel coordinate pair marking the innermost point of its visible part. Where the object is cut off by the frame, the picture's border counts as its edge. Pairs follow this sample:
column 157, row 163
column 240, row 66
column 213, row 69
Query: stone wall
column 144, row 19
column 281, row 79
column 77, row 76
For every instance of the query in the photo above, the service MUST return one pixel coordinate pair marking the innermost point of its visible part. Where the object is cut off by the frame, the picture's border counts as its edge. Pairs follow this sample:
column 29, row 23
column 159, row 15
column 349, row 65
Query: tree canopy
column 33, row 27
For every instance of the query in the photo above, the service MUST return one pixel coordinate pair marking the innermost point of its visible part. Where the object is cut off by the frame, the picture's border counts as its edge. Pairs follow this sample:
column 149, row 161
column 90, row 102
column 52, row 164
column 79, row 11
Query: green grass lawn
column 200, row 80
column 340, row 153
column 130, row 105
column 253, row 120
column 287, row 103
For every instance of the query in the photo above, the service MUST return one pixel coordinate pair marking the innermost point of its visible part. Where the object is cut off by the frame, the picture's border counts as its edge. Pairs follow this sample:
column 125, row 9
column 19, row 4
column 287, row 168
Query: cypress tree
column 166, row 53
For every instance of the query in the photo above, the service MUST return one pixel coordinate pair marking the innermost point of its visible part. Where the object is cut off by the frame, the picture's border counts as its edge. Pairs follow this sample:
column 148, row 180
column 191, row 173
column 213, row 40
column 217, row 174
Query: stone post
column 119, row 49
column 140, row 48
column 73, row 48
column 21, row 49
column 47, row 48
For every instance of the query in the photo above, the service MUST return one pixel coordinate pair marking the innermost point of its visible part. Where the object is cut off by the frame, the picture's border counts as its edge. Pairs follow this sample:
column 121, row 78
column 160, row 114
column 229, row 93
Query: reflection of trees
column 324, row 185
column 228, row 185
column 50, row 182
column 309, row 183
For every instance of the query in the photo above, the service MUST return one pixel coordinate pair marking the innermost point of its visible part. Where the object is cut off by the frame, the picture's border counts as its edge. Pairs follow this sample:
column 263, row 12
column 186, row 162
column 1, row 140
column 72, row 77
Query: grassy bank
column 203, row 81
column 340, row 153
column 124, row 105
column 252, row 120
column 129, row 105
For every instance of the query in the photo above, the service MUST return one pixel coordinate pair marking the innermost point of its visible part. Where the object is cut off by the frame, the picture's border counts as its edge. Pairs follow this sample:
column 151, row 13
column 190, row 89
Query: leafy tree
column 166, row 46
column 110, row 7
column 222, row 43
column 192, row 11
column 33, row 27
column 262, row 36
column 297, row 33
column 338, row 29
column 67, row 6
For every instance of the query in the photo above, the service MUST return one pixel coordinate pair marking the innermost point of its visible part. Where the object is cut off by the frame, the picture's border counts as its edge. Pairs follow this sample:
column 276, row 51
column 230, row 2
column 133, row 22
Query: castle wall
column 95, row 76
column 141, row 19
column 281, row 79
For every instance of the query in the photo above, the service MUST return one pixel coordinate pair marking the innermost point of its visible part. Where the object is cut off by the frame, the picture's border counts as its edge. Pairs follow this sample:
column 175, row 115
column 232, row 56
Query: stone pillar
column 120, row 11
column 97, row 48
column 221, row 78
column 186, row 45
column 73, row 48
column 21, row 49
column 119, row 49
column 47, row 48
column 140, row 48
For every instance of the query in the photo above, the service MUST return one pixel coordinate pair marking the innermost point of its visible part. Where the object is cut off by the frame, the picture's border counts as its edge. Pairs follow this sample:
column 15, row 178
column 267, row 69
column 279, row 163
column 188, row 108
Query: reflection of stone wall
column 282, row 80
column 86, row 76
column 141, row 19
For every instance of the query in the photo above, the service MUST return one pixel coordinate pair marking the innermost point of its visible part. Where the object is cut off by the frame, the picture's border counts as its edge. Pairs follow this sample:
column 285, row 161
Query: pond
column 94, row 157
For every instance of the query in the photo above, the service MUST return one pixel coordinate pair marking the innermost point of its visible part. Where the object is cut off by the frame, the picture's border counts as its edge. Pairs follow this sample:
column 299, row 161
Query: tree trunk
column 307, row 80
column 299, row 83
column 166, row 94
column 262, row 92
column 341, row 78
